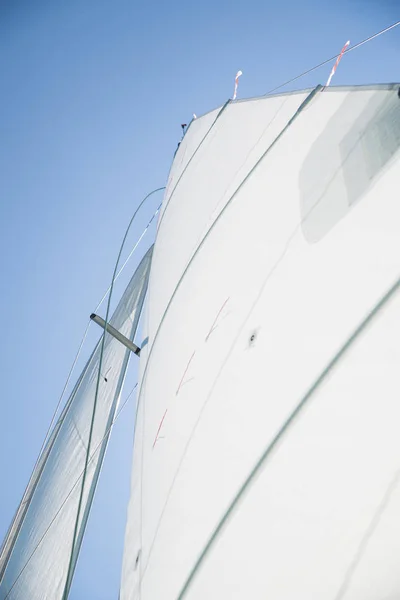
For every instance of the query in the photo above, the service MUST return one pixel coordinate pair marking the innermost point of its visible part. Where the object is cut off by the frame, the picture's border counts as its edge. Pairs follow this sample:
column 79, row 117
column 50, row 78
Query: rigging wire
column 85, row 336
column 74, row 362
column 130, row 254
column 106, row 320
column 89, row 322
column 50, row 427
column 72, row 488
column 350, row 49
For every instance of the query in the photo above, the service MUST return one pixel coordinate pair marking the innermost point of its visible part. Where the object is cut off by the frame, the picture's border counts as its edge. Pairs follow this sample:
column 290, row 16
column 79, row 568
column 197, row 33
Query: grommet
column 253, row 337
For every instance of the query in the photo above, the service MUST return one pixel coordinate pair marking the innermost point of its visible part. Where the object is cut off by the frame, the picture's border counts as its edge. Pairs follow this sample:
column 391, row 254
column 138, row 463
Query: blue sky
column 92, row 96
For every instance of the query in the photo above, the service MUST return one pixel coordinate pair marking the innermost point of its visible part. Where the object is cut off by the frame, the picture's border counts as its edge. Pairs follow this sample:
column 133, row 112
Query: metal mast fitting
column 116, row 334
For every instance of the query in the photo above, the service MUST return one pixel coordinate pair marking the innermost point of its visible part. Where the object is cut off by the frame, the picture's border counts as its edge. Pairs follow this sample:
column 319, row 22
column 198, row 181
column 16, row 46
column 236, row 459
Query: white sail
column 267, row 455
column 39, row 552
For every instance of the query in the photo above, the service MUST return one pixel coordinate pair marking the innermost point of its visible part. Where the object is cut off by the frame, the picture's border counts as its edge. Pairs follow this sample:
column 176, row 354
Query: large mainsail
column 42, row 545
column 267, row 455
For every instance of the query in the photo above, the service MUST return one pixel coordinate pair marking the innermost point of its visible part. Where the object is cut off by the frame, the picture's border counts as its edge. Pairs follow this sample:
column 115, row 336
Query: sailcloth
column 38, row 550
column 267, row 449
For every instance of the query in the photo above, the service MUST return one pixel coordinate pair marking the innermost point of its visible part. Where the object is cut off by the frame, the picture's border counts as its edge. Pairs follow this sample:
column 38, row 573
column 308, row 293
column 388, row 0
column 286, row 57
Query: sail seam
column 284, row 428
column 232, row 197
column 189, row 162
column 279, row 260
column 305, row 103
column 368, row 535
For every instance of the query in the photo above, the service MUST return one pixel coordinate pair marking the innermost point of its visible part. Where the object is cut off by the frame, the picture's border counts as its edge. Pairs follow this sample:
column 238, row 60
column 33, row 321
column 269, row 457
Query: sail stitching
column 271, row 272
column 79, row 434
column 360, row 329
column 215, row 322
column 305, row 102
column 263, row 132
column 273, row 269
column 181, row 383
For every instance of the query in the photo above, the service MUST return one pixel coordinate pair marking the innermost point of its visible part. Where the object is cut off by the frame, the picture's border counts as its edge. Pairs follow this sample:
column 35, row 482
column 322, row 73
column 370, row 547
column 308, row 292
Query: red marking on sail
column 213, row 326
column 238, row 74
column 347, row 44
column 159, row 428
column 183, row 376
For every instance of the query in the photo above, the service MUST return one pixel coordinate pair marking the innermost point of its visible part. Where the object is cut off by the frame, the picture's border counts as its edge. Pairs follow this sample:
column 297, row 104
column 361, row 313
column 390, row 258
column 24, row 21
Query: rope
column 71, row 490
column 130, row 254
column 70, row 567
column 350, row 49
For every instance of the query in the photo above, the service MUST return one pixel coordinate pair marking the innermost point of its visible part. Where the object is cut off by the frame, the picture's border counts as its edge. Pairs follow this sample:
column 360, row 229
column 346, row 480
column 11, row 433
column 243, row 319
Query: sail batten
column 37, row 550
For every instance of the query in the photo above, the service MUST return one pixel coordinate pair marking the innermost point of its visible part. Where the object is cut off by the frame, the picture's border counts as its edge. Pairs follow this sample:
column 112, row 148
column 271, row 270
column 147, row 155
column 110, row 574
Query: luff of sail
column 267, row 455
column 37, row 551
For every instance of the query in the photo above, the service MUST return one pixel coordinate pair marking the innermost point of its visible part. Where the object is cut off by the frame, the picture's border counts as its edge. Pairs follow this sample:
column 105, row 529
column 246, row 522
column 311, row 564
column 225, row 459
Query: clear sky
column 92, row 96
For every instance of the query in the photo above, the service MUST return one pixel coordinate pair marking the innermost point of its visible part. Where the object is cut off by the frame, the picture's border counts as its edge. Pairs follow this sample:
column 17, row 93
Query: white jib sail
column 279, row 239
column 36, row 554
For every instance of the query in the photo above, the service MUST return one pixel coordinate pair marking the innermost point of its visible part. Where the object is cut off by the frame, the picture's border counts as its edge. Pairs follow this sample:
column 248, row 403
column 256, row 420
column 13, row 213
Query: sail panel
column 37, row 554
column 260, row 313
column 200, row 129
column 239, row 137
column 321, row 519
